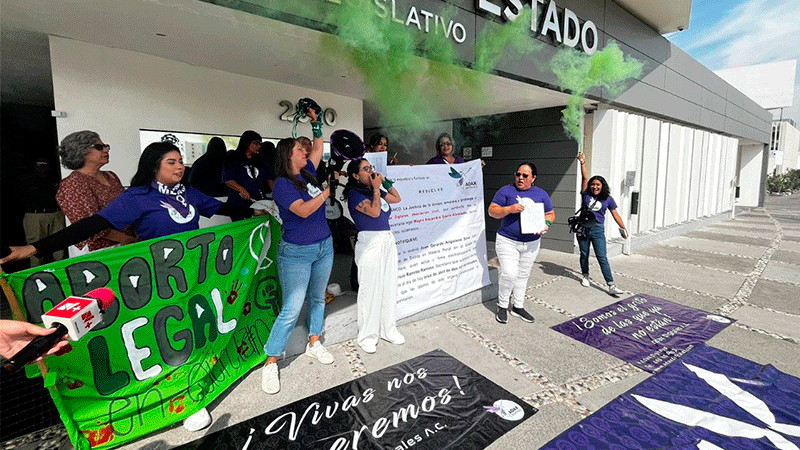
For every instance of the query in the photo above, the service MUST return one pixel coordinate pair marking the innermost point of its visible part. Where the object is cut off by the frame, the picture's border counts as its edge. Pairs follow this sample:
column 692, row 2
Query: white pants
column 516, row 260
column 376, row 258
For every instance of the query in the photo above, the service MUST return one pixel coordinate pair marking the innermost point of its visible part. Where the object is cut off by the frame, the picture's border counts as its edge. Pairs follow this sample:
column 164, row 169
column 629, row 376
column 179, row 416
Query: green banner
column 194, row 311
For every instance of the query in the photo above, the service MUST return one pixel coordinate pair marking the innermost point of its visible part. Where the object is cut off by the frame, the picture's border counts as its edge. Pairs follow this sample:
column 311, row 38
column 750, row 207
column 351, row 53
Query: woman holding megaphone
column 305, row 253
column 375, row 254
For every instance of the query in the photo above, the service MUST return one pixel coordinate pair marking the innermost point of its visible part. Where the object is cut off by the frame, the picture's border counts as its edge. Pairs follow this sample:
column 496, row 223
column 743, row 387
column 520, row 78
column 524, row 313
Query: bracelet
column 548, row 223
column 316, row 128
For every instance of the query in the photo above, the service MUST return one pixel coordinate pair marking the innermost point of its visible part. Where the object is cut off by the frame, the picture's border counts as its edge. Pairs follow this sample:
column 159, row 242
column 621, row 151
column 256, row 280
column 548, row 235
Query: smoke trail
column 578, row 72
column 511, row 40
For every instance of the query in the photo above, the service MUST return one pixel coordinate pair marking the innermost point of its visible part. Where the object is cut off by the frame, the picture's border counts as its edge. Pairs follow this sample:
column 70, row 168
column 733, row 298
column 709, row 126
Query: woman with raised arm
column 305, row 253
column 596, row 197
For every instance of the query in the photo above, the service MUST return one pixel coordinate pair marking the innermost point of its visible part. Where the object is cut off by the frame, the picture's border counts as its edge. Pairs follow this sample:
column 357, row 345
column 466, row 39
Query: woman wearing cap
column 516, row 250
column 88, row 189
column 596, row 197
column 445, row 151
column 375, row 254
column 305, row 253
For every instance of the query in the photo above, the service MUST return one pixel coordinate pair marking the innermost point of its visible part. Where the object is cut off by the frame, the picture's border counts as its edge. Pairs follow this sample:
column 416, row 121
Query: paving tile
column 706, row 245
column 758, row 241
column 731, row 263
column 774, row 322
column 783, row 272
column 759, row 348
column 776, row 295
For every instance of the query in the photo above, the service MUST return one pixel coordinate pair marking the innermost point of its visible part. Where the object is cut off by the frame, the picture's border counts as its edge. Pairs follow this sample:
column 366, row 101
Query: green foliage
column 785, row 182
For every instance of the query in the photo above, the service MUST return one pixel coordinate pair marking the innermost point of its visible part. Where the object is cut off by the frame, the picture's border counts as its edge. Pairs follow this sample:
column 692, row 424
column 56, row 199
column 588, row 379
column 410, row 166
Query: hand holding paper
column 531, row 219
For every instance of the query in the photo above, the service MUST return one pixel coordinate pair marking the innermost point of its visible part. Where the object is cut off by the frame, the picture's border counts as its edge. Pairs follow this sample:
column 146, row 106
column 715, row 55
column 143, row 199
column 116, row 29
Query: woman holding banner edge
column 305, row 253
column 375, row 254
column 156, row 204
column 517, row 251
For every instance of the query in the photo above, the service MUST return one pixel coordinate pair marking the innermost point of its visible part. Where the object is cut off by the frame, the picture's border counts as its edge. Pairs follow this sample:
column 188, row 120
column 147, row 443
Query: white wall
column 750, row 174
column 116, row 92
column 681, row 173
column 789, row 143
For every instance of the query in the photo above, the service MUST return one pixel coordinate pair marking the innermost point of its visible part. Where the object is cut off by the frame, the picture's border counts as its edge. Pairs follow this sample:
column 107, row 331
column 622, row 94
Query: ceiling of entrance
column 206, row 35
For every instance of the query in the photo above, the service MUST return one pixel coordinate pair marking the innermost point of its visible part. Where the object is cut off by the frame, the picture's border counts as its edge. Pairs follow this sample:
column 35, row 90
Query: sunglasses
column 447, row 143
column 520, row 174
column 100, row 147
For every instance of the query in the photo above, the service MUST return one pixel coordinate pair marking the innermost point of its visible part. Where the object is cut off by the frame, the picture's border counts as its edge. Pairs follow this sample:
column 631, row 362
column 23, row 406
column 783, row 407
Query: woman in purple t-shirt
column 445, row 151
column 305, row 253
column 596, row 197
column 516, row 250
column 375, row 254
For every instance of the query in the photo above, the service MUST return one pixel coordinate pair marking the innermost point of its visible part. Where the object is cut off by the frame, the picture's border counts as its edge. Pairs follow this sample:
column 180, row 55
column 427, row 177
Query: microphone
column 75, row 317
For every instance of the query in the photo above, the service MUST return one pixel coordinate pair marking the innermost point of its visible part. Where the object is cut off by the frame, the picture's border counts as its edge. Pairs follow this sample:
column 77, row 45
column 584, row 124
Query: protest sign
column 709, row 399
column 432, row 401
column 440, row 233
column 194, row 311
column 648, row 332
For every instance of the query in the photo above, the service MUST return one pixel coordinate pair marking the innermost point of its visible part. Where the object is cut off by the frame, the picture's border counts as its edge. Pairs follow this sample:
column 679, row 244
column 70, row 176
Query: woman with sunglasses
column 88, row 189
column 596, row 197
column 444, row 149
column 375, row 254
column 516, row 251
column 305, row 253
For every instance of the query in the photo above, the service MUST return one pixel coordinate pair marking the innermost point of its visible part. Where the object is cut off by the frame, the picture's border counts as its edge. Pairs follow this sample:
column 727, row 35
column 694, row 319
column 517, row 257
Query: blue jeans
column 597, row 237
column 303, row 271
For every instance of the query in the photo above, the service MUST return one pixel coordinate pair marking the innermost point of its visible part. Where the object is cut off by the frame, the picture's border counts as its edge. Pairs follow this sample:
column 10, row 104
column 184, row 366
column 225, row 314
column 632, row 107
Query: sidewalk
column 747, row 268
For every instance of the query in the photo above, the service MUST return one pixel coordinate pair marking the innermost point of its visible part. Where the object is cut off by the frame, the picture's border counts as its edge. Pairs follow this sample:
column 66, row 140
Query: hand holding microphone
column 74, row 317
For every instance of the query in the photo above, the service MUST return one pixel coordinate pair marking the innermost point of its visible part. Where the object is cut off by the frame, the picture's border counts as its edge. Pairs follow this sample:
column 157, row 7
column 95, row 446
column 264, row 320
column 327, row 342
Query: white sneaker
column 197, row 421
column 585, row 282
column 614, row 290
column 369, row 347
column 395, row 338
column 270, row 383
column 319, row 352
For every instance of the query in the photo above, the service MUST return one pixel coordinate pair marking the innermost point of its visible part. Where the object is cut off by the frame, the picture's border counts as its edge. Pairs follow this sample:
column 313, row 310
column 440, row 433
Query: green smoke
column 511, row 40
column 397, row 62
column 578, row 73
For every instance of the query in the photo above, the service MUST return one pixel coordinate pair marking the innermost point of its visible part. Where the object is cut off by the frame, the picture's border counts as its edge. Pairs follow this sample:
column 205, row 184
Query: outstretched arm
column 584, row 174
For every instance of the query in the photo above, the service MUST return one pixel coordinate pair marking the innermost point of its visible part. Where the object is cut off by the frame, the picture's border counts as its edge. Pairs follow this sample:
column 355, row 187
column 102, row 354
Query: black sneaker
column 522, row 314
column 501, row 315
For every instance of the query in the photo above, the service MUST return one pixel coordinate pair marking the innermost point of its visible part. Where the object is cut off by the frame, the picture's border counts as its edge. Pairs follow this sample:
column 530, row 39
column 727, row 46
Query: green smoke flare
column 578, row 72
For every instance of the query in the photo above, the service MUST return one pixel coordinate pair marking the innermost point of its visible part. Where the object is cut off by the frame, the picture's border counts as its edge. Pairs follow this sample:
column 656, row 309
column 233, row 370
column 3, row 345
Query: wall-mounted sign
column 423, row 20
column 563, row 26
column 328, row 114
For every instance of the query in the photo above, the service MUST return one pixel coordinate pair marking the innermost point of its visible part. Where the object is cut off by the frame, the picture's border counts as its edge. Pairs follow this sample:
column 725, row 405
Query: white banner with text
column 440, row 232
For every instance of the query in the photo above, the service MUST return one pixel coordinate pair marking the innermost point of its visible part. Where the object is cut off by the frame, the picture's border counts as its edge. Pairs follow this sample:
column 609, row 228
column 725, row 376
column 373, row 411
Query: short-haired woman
column 88, row 189
column 516, row 251
column 375, row 254
column 305, row 253
column 445, row 149
column 596, row 197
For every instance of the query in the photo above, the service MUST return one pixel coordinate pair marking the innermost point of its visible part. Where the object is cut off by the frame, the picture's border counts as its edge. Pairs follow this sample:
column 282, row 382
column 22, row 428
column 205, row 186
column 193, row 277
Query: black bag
column 581, row 222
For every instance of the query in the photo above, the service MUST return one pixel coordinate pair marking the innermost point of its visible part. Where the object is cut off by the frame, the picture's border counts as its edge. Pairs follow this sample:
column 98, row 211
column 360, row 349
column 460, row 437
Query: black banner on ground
column 430, row 402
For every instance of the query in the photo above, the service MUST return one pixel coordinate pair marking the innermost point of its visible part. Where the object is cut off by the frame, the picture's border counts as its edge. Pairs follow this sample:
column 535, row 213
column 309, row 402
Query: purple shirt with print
column 598, row 207
column 152, row 216
column 297, row 230
column 509, row 225
column 364, row 222
column 440, row 160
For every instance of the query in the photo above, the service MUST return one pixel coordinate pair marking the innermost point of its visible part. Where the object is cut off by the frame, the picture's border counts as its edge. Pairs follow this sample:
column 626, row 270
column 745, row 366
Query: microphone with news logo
column 75, row 317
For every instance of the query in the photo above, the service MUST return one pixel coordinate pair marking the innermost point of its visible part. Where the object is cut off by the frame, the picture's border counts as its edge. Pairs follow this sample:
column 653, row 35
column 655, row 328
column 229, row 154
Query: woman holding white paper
column 596, row 197
column 527, row 213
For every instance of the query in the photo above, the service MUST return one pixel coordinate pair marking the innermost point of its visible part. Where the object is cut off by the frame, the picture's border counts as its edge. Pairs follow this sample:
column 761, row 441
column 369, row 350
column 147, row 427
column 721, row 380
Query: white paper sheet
column 531, row 219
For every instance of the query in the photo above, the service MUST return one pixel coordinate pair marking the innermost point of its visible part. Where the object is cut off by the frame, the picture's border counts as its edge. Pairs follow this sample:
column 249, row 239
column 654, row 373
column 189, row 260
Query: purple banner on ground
column 430, row 402
column 708, row 400
column 648, row 332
